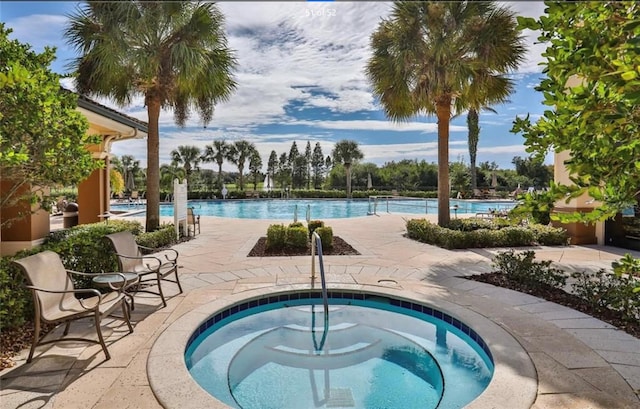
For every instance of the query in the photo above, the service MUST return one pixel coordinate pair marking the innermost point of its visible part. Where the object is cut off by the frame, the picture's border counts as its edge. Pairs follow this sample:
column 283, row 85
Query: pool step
column 340, row 398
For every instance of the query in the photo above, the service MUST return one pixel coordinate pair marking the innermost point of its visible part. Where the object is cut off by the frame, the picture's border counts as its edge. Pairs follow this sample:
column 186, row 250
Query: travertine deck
column 580, row 362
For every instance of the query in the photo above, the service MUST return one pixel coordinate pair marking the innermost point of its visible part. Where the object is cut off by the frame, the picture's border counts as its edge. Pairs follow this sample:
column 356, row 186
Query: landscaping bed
column 339, row 248
column 561, row 297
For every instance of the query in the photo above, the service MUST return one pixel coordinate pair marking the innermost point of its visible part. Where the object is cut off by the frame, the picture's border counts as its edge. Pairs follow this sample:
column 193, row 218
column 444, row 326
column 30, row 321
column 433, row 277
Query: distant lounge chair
column 152, row 267
column 55, row 301
column 193, row 221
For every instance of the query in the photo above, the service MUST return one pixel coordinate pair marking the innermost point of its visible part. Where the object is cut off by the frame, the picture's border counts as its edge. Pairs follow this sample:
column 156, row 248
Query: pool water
column 374, row 355
column 318, row 208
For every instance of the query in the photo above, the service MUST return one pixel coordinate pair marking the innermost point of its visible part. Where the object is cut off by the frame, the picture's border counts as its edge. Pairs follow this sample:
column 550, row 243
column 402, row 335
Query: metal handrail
column 316, row 244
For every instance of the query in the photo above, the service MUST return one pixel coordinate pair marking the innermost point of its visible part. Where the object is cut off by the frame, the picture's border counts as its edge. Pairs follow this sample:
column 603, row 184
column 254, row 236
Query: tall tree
column 218, row 153
column 239, row 153
column 43, row 137
column 347, row 152
column 284, row 170
column 428, row 54
column 307, row 157
column 291, row 159
column 317, row 164
column 272, row 166
column 593, row 82
column 255, row 165
column 174, row 54
column 189, row 157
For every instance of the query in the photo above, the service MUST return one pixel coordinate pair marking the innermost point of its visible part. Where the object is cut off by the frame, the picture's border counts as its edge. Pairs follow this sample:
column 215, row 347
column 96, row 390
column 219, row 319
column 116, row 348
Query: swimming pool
column 379, row 352
column 319, row 208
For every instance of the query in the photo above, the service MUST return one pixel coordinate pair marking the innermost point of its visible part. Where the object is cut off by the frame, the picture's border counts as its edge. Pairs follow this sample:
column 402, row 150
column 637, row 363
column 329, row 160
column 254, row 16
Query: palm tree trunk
column 474, row 133
column 347, row 169
column 443, row 109
column 153, row 165
column 219, row 175
column 241, row 178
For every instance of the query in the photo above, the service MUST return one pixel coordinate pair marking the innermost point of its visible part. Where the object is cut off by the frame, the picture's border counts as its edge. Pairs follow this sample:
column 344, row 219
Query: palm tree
column 347, row 152
column 174, row 54
column 218, row 153
column 168, row 173
column 428, row 54
column 189, row 157
column 239, row 152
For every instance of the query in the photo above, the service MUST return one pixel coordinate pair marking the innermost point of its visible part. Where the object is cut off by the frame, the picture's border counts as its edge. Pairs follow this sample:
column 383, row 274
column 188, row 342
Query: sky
column 301, row 78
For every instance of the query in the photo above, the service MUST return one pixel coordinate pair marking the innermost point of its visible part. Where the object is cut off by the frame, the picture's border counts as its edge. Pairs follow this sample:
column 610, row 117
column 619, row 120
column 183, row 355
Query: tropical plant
column 592, row 80
column 218, row 153
column 116, row 182
column 174, row 54
column 168, row 173
column 430, row 55
column 239, row 153
column 347, row 152
column 189, row 157
column 43, row 137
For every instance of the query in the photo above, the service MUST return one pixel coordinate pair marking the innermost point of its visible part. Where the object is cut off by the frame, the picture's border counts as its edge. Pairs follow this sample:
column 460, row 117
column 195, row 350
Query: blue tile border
column 304, row 295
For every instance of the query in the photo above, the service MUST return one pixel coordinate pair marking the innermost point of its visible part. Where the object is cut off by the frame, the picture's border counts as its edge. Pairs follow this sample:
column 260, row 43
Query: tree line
column 313, row 170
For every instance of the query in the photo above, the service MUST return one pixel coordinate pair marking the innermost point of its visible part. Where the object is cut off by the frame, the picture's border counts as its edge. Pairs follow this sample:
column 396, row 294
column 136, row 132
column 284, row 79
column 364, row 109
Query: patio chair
column 55, row 301
column 193, row 221
column 150, row 267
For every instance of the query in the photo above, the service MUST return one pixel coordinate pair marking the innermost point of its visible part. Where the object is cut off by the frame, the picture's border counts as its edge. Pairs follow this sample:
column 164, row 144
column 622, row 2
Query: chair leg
column 100, row 338
column 126, row 315
column 66, row 328
column 158, row 279
column 177, row 279
column 36, row 337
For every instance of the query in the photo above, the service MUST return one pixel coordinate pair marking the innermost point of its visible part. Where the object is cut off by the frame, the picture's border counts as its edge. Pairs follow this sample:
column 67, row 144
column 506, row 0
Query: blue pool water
column 376, row 354
column 319, row 208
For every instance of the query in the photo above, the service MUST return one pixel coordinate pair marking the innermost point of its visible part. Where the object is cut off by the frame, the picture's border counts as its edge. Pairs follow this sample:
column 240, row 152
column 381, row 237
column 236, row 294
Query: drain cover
column 340, row 398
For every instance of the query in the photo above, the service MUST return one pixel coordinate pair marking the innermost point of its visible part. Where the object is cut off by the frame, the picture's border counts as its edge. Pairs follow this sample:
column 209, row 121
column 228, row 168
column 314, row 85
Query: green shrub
column 313, row 225
column 617, row 290
column 549, row 236
column 326, row 236
column 297, row 237
column 16, row 302
column 83, row 248
column 276, row 237
column 165, row 236
column 476, row 232
column 522, row 268
column 296, row 224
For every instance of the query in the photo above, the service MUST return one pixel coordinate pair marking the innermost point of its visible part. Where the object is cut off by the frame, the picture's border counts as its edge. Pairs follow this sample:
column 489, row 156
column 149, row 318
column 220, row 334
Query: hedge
column 477, row 233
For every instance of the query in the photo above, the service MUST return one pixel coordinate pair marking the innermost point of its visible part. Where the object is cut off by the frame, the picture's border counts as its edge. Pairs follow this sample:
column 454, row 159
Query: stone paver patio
column 579, row 361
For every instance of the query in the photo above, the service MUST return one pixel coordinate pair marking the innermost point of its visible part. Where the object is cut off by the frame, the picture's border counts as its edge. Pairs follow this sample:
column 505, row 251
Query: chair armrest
column 166, row 256
column 75, row 291
column 95, row 292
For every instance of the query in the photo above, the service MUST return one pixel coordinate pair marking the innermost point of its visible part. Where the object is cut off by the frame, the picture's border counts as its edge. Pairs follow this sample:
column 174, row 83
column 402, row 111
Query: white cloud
column 39, row 30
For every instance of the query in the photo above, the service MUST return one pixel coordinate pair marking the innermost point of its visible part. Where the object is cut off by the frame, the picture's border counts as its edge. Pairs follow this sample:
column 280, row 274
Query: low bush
column 523, row 269
column 297, row 237
column 474, row 233
column 165, row 236
column 617, row 290
column 326, row 236
column 276, row 237
column 313, row 225
column 296, row 224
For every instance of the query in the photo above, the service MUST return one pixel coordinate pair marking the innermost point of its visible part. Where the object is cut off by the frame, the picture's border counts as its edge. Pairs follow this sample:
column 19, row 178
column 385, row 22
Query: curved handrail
column 316, row 244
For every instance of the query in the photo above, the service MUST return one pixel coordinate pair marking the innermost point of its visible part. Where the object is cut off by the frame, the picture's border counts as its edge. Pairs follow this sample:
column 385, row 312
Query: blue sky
column 301, row 78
